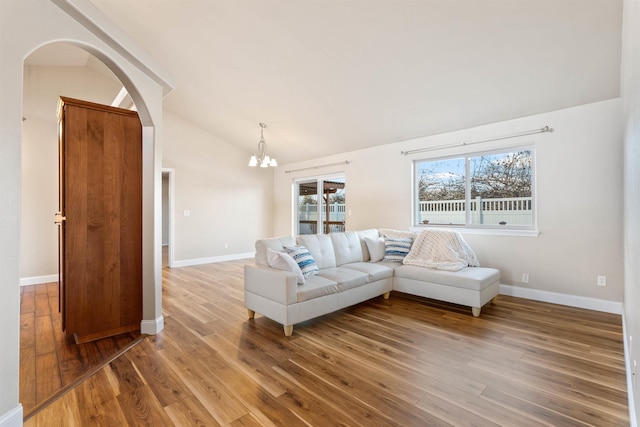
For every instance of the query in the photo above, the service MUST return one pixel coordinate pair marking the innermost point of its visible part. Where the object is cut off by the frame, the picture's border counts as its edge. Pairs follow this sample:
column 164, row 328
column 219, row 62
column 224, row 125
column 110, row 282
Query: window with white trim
column 481, row 190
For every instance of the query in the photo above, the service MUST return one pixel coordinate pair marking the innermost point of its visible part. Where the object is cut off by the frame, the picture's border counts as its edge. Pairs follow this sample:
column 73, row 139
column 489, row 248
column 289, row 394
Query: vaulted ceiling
column 329, row 76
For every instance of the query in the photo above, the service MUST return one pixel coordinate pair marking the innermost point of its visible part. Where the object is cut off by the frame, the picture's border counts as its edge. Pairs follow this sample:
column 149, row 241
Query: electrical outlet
column 602, row 281
column 187, row 212
column 226, row 246
column 525, row 277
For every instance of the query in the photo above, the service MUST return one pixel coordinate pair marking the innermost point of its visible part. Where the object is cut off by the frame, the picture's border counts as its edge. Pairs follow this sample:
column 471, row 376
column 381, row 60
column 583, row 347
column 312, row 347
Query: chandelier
column 262, row 158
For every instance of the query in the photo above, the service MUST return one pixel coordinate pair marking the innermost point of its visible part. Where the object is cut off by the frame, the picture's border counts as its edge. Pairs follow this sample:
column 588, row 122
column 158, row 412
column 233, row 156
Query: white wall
column 42, row 88
column 631, row 98
column 229, row 202
column 579, row 198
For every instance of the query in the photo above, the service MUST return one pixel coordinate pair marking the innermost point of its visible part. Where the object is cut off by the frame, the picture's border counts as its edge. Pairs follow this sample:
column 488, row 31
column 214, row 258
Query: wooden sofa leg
column 288, row 330
column 494, row 300
column 386, row 295
column 475, row 311
column 251, row 313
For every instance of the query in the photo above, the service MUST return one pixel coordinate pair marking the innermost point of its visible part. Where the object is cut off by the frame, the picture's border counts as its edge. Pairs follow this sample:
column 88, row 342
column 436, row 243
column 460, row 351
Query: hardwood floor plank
column 28, row 330
column 99, row 400
column 381, row 408
column 311, row 408
column 167, row 387
column 190, row 412
column 44, row 335
column 550, row 410
column 127, row 375
column 27, row 299
column 594, row 371
column 42, row 303
column 48, row 379
column 221, row 402
column 141, row 408
column 28, row 389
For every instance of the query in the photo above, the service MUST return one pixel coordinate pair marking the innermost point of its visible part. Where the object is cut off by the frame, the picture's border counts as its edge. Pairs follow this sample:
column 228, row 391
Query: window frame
column 468, row 226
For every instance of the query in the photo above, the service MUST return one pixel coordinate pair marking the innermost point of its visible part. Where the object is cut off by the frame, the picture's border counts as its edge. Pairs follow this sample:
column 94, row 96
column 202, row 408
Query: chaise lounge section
column 343, row 269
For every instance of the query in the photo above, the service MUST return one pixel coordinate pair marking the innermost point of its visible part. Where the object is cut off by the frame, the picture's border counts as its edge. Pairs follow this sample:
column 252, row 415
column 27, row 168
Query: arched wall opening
column 53, row 70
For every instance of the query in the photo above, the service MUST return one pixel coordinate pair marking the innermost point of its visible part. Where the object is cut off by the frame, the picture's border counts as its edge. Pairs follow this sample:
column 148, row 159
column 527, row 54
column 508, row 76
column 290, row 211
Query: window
column 489, row 190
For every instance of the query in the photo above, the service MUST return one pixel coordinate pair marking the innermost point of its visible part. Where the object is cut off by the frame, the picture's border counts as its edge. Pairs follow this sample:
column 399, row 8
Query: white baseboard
column 209, row 260
column 13, row 418
column 633, row 420
column 564, row 299
column 152, row 327
column 38, row 280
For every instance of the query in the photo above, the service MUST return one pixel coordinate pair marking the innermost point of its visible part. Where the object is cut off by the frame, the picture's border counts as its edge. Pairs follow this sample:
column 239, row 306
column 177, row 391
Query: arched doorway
column 50, row 361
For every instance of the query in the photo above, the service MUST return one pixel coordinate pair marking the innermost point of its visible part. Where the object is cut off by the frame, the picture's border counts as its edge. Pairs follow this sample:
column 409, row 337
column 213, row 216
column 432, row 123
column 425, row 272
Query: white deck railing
column 310, row 212
column 514, row 211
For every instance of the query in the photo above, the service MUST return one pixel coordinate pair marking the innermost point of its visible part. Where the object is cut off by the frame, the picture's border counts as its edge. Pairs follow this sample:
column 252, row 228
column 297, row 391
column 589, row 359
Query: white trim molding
column 606, row 306
column 38, row 280
column 209, row 260
column 13, row 418
column 627, row 362
column 152, row 327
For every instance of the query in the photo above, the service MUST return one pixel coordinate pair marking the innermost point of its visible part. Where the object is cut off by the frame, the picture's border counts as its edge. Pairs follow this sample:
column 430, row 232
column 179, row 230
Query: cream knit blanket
column 442, row 250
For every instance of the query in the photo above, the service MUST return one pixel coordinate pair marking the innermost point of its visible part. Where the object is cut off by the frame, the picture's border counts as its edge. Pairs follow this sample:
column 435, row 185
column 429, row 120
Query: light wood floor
column 50, row 360
column 405, row 361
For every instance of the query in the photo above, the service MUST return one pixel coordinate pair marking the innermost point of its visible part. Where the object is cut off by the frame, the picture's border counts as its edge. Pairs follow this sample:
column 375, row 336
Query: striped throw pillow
column 396, row 248
column 305, row 261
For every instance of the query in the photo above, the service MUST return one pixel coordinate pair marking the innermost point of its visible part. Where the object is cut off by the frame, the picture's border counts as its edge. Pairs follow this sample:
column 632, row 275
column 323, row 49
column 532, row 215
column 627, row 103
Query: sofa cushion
column 372, row 234
column 395, row 249
column 316, row 287
column 275, row 243
column 375, row 271
column 303, row 258
column 321, row 249
column 474, row 278
column 284, row 261
column 346, row 246
column 345, row 278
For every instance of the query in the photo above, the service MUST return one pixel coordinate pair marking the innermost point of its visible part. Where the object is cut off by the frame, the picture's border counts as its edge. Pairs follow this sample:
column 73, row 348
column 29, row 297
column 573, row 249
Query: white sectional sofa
column 347, row 275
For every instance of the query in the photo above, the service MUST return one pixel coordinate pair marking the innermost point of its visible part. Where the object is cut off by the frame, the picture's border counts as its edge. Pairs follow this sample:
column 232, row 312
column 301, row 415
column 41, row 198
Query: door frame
column 170, row 173
column 320, row 179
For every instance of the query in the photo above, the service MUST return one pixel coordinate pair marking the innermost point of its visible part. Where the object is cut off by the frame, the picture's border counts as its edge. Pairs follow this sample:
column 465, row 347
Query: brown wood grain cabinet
column 100, row 219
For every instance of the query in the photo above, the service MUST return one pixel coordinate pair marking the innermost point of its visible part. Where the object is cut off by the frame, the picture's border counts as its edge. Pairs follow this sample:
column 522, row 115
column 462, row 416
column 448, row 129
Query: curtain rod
column 461, row 144
column 346, row 162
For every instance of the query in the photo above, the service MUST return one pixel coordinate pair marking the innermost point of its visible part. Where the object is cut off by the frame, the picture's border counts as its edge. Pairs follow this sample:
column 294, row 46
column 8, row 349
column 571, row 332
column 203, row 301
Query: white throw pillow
column 376, row 248
column 284, row 261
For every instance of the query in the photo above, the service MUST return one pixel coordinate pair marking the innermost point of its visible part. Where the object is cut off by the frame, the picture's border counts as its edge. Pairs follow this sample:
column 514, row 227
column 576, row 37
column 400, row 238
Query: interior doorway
column 320, row 205
column 168, row 187
column 46, row 370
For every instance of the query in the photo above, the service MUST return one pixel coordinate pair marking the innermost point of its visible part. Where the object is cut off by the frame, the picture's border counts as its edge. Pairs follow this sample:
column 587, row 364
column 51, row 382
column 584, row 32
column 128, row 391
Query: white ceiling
column 329, row 76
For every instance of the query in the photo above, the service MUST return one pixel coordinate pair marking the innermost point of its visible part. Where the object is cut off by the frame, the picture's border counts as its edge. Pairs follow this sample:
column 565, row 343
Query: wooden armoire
column 100, row 219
